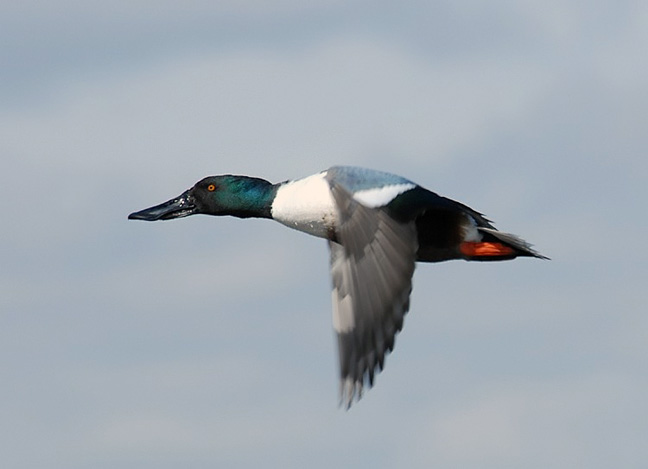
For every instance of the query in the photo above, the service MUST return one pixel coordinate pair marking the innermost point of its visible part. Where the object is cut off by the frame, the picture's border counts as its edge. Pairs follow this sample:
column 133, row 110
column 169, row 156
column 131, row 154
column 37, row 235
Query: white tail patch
column 470, row 231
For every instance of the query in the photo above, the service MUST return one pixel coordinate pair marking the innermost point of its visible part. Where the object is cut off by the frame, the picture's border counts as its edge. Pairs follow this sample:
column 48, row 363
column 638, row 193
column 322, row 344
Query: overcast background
column 207, row 342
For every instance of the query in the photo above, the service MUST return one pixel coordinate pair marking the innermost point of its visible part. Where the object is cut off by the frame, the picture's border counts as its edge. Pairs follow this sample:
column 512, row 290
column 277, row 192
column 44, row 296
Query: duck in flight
column 378, row 225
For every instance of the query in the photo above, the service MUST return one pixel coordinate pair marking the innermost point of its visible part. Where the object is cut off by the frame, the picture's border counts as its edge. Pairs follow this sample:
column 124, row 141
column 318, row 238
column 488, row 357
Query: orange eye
column 211, row 188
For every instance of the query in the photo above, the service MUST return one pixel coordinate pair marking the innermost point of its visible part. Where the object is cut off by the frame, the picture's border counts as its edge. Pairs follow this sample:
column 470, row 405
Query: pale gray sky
column 207, row 342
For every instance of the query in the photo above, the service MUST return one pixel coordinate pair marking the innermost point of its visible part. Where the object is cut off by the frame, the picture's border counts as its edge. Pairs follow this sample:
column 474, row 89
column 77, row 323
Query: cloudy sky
column 207, row 342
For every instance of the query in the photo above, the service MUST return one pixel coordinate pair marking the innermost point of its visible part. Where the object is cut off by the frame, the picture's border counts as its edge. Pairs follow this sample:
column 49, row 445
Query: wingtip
column 350, row 392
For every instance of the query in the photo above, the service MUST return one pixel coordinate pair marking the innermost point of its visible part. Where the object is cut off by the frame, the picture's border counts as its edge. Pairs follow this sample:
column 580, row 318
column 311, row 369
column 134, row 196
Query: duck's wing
column 372, row 263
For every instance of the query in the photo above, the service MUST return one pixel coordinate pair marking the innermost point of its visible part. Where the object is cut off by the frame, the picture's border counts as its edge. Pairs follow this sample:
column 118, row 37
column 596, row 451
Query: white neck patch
column 381, row 196
column 306, row 205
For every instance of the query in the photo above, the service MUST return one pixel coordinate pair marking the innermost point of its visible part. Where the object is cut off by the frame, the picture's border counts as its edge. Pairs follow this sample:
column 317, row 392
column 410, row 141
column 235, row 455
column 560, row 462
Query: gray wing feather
column 372, row 263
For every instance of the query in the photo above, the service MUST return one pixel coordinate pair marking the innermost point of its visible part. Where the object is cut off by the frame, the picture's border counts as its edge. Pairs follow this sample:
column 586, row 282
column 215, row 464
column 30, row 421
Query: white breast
column 306, row 205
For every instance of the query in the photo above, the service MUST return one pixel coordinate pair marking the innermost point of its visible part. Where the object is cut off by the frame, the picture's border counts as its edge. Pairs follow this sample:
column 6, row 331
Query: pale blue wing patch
column 355, row 179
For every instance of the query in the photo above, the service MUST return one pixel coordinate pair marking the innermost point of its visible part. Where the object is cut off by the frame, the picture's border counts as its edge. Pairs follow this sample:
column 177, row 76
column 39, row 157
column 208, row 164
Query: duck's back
column 446, row 229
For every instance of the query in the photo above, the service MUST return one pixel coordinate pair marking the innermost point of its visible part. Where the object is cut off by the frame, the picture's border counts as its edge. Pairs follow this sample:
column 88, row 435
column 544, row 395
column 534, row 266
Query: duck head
column 239, row 196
